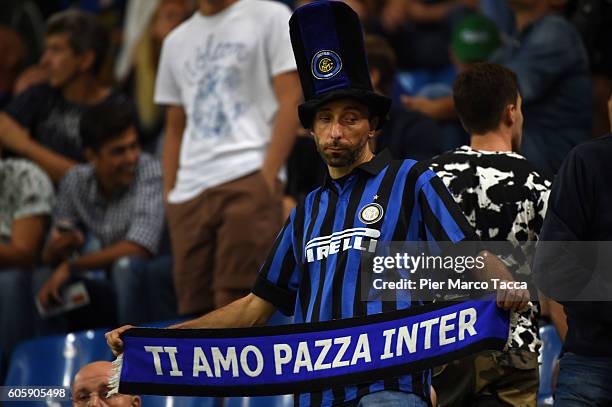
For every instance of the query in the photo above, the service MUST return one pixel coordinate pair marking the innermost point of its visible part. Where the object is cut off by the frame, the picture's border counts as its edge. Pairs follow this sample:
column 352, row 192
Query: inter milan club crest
column 371, row 213
column 326, row 64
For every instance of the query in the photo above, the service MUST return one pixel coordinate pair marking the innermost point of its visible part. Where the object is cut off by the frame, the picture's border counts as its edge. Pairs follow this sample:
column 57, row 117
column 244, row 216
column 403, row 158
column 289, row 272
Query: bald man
column 91, row 386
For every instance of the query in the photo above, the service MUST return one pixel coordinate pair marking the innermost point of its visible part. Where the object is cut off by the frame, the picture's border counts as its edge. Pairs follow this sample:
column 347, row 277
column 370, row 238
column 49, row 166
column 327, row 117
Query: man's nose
column 336, row 130
column 95, row 400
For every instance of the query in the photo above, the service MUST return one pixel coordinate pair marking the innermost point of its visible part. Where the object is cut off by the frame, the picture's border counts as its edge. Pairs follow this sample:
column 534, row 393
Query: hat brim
column 377, row 104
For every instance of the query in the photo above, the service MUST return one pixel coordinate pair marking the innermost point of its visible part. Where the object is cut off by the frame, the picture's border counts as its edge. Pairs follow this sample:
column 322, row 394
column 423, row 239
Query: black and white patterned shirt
column 504, row 198
column 135, row 214
column 25, row 190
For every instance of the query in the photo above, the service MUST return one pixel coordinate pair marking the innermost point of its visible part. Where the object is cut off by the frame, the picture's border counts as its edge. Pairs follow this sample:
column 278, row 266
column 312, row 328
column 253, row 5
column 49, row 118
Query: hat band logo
column 326, row 64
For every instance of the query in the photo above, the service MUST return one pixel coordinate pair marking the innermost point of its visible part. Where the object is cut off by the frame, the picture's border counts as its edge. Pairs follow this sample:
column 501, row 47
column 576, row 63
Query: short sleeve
column 279, row 52
column 167, row 89
column 36, row 197
column 147, row 220
column 278, row 278
column 442, row 217
column 23, row 108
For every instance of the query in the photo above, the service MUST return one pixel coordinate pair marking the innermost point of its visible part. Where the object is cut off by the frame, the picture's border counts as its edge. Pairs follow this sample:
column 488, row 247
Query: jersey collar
column 370, row 168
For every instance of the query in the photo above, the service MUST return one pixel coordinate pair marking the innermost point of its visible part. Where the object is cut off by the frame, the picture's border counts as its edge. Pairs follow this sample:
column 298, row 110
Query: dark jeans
column 144, row 290
column 584, row 381
column 16, row 311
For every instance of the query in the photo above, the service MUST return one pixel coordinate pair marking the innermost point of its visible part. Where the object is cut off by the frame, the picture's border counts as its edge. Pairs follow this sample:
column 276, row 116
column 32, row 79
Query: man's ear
column 87, row 60
column 373, row 125
column 509, row 117
column 136, row 401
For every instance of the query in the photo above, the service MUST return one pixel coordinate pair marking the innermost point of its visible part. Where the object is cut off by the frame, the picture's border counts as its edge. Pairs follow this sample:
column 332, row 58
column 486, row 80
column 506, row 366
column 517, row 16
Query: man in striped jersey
column 313, row 270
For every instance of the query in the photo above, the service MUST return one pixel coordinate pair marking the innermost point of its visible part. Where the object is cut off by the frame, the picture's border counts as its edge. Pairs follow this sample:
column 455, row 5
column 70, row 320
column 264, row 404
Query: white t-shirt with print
column 219, row 68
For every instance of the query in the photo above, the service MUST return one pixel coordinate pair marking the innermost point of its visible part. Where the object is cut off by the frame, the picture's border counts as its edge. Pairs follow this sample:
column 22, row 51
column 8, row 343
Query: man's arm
column 96, row 260
column 26, row 238
column 60, row 245
column 284, row 131
column 437, row 109
column 248, row 311
column 175, row 126
column 15, row 138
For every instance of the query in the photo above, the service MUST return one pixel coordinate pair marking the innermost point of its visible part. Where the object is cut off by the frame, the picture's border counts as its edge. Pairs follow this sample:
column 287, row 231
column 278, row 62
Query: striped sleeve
column 278, row 278
column 441, row 215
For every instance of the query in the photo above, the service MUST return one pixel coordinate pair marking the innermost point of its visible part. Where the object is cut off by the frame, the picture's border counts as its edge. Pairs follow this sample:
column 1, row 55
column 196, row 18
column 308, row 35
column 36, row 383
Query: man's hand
column 61, row 245
column 113, row 339
column 512, row 299
column 51, row 289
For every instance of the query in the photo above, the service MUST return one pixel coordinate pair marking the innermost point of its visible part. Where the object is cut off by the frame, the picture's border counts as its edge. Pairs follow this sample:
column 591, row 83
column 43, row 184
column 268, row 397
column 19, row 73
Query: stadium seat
column 163, row 401
column 53, row 361
column 268, row 401
column 549, row 354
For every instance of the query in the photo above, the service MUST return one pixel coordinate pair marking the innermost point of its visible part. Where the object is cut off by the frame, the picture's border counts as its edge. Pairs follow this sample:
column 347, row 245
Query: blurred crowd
column 145, row 171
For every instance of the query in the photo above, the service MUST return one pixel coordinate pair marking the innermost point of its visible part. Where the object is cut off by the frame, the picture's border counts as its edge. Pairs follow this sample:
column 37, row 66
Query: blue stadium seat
column 162, row 401
column 549, row 354
column 268, row 401
column 54, row 360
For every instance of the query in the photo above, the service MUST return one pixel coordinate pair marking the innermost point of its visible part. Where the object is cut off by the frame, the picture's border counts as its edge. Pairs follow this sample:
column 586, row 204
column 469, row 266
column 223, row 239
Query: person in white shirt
column 228, row 78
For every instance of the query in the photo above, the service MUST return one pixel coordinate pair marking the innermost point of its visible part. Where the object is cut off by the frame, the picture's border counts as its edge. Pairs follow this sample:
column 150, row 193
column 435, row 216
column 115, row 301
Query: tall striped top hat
column 327, row 41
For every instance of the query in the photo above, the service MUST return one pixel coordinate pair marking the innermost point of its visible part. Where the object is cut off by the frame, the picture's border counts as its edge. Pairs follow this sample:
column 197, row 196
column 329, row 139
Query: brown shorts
column 220, row 239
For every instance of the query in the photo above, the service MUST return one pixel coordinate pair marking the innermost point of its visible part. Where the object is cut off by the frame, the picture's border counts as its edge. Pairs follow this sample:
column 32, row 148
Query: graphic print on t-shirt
column 215, row 74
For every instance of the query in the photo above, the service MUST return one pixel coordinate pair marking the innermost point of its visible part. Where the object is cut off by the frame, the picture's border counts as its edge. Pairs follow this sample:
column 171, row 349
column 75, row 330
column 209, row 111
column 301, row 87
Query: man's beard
column 345, row 157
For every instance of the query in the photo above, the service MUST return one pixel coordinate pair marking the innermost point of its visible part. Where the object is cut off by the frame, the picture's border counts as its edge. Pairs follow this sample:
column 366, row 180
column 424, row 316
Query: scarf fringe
column 113, row 383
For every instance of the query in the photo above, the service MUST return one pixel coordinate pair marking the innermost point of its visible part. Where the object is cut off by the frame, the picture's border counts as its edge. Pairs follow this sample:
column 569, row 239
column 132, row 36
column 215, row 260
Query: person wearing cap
column 365, row 198
column 473, row 40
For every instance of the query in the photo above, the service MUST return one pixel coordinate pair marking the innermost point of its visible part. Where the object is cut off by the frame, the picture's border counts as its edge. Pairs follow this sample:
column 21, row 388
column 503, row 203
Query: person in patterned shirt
column 117, row 198
column 504, row 198
column 26, row 200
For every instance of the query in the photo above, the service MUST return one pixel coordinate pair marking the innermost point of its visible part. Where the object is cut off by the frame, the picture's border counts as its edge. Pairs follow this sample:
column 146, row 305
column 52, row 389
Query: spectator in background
column 593, row 20
column 407, row 134
column 577, row 274
column 504, row 198
column 227, row 76
column 12, row 50
column 90, row 387
column 42, row 124
column 144, row 55
column 552, row 67
column 117, row 198
column 419, row 30
column 26, row 201
column 473, row 40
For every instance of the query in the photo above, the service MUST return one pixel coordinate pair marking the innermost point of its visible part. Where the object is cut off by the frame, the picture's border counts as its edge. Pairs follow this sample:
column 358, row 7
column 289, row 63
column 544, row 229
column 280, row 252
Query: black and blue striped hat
column 327, row 41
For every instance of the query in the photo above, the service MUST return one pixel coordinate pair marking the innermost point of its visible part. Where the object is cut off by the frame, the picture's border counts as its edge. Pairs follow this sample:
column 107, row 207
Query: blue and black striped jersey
column 313, row 269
